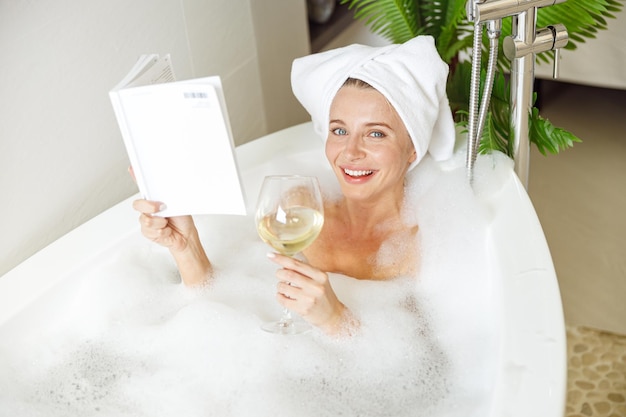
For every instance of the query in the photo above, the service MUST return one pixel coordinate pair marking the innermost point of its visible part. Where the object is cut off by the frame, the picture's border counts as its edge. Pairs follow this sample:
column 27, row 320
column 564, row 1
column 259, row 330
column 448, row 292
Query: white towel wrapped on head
column 412, row 77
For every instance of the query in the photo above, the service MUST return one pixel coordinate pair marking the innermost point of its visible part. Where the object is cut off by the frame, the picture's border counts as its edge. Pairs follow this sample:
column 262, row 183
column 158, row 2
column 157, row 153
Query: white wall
column 61, row 156
column 280, row 39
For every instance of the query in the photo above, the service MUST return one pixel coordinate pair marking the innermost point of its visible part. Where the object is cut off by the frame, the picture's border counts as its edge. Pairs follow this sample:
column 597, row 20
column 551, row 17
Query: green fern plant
column 446, row 20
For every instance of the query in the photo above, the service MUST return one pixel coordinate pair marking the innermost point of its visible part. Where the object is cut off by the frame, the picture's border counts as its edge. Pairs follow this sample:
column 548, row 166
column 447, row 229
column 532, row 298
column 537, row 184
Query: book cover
column 178, row 139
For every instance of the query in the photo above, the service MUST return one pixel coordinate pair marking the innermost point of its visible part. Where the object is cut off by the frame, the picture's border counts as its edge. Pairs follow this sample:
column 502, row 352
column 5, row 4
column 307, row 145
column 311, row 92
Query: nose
column 354, row 148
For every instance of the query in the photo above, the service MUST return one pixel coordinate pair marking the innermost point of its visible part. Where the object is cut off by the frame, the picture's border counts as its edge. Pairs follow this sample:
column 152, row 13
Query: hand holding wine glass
column 289, row 217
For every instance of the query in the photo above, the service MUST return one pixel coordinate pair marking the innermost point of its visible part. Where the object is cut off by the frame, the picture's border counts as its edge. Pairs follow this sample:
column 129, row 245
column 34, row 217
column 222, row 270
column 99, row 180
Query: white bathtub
column 531, row 362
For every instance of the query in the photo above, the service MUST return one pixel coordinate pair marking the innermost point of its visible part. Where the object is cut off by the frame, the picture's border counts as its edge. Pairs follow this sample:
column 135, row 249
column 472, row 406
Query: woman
column 381, row 110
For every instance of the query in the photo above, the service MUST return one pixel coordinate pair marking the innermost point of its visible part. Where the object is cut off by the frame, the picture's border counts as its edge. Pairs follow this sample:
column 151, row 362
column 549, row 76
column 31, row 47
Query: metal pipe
column 473, row 138
column 514, row 47
column 522, row 80
column 526, row 41
column 494, row 29
column 499, row 9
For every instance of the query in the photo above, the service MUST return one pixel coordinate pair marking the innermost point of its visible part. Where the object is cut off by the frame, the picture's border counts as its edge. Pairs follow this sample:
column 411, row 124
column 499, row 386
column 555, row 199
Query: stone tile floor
column 596, row 383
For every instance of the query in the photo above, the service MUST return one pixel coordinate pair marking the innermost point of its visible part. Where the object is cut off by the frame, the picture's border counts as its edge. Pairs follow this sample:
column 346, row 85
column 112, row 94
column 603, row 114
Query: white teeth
column 357, row 173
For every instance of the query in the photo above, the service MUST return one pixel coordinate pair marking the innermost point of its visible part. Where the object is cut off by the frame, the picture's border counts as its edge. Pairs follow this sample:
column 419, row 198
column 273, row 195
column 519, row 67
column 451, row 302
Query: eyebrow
column 372, row 124
column 379, row 124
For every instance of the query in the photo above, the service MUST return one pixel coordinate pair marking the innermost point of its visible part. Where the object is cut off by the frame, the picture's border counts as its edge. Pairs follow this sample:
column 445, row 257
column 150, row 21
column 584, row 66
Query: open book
column 178, row 139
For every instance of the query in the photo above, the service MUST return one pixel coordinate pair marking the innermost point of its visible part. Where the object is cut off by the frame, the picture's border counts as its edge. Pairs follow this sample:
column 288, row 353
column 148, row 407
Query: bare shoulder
column 363, row 255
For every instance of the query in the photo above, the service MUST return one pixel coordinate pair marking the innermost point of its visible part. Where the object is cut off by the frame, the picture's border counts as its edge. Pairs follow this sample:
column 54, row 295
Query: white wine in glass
column 289, row 217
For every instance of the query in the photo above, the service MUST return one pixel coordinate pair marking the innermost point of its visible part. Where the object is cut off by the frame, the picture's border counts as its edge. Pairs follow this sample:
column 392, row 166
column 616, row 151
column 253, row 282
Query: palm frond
column 497, row 126
column 436, row 14
column 395, row 20
column 449, row 27
column 458, row 88
column 491, row 139
column 547, row 137
column 401, row 20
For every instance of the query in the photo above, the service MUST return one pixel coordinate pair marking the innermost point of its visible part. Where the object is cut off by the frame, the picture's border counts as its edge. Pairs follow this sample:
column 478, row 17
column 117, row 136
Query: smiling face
column 368, row 145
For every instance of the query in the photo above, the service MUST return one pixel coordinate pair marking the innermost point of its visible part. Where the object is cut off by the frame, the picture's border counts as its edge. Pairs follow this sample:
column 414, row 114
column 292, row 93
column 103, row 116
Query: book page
column 159, row 71
column 149, row 69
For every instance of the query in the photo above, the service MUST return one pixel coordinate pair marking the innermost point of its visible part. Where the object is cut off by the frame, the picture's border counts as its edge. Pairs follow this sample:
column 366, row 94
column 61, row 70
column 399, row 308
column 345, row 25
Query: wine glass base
column 286, row 328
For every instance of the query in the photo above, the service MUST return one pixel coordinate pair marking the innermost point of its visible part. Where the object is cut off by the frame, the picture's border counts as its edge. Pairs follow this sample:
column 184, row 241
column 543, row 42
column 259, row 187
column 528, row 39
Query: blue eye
column 377, row 135
column 339, row 131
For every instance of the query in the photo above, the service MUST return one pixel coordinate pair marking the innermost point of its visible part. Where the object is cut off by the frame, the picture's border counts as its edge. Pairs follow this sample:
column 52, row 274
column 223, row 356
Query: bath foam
column 124, row 338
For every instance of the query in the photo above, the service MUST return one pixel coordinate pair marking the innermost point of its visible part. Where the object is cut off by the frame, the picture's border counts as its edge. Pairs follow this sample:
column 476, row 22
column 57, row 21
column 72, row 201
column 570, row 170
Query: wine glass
column 289, row 217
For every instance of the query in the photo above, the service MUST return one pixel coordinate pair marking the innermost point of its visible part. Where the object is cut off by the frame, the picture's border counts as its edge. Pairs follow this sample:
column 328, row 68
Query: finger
column 152, row 222
column 290, row 301
column 154, row 232
column 155, row 228
column 148, row 207
column 287, row 302
column 287, row 289
column 298, row 266
column 293, row 278
column 162, row 236
column 132, row 174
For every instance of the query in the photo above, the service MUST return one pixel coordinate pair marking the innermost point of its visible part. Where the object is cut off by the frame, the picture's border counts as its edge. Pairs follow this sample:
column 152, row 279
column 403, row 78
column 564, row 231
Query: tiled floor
column 580, row 198
column 596, row 373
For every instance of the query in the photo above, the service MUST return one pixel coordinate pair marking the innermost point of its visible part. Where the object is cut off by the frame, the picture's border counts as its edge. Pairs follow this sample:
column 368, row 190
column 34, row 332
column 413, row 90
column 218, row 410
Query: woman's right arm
column 180, row 236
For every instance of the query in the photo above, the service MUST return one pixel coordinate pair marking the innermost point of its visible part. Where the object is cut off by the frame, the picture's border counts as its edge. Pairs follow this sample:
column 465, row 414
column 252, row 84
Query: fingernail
column 162, row 207
column 271, row 255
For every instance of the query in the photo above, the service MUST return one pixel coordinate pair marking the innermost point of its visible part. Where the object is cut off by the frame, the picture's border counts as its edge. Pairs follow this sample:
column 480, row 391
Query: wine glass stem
column 286, row 320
